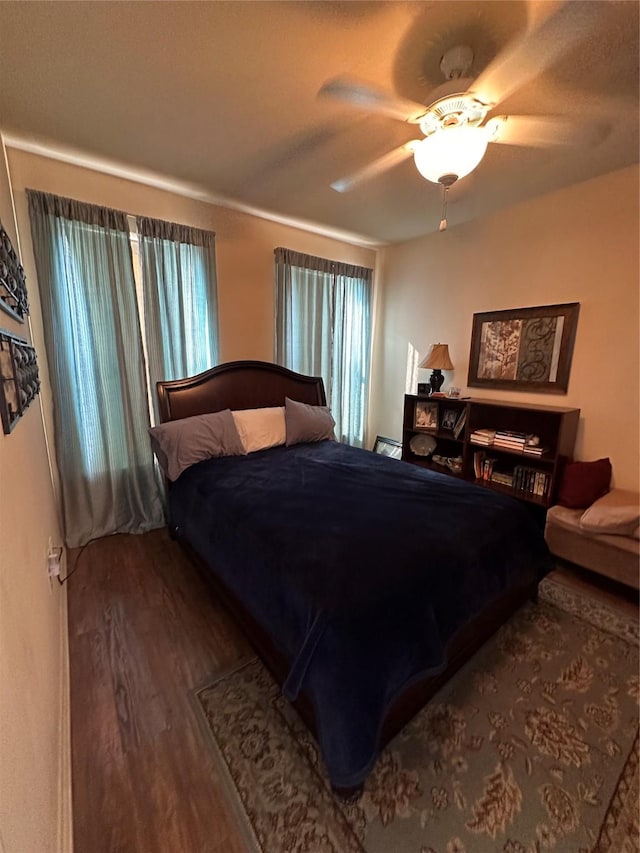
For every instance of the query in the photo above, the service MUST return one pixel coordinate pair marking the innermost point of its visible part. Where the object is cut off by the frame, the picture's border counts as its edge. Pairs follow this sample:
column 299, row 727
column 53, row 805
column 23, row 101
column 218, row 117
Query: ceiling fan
column 453, row 123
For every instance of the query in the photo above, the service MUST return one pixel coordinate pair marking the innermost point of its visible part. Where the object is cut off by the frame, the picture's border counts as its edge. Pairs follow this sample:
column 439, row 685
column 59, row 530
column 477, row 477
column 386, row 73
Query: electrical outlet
column 53, row 560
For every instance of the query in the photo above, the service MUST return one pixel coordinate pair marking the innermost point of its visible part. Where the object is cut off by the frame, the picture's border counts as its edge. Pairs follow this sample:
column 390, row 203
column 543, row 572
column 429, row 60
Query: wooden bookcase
column 555, row 426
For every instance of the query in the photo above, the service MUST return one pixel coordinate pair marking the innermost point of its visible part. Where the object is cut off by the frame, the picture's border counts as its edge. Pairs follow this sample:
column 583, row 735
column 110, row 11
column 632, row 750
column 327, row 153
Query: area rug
column 531, row 747
column 571, row 592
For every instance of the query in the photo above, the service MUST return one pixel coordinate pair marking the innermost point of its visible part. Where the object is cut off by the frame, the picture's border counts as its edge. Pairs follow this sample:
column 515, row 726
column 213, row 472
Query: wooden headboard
column 236, row 385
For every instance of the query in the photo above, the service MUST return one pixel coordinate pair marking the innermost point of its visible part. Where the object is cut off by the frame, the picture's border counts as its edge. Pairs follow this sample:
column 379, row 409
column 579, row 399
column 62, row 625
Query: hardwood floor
column 144, row 631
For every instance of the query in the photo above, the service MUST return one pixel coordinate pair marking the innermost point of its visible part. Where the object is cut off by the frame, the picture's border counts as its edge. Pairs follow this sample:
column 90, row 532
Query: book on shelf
column 531, row 480
column 509, row 445
column 503, row 478
column 487, row 468
column 511, row 438
column 534, row 450
column 483, row 436
column 478, row 460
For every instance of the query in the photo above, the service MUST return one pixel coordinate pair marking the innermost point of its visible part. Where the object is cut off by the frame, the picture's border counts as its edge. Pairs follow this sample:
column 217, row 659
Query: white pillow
column 260, row 428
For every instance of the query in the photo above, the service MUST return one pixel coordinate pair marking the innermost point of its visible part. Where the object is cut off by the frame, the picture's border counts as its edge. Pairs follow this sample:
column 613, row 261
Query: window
column 180, row 311
column 94, row 338
column 323, row 328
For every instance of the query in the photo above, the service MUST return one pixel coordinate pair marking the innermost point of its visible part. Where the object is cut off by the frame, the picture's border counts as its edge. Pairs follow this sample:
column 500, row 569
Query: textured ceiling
column 223, row 95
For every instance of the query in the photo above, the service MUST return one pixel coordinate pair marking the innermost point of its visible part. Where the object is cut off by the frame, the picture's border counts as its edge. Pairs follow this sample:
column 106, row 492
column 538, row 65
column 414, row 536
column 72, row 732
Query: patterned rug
column 599, row 607
column 531, row 747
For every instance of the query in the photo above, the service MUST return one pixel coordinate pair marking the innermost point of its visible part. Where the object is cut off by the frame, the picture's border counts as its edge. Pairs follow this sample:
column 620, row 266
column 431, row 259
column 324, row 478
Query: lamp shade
column 437, row 358
column 450, row 151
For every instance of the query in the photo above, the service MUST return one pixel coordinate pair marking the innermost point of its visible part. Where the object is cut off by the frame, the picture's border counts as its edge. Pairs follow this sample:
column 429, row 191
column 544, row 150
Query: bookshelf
column 529, row 476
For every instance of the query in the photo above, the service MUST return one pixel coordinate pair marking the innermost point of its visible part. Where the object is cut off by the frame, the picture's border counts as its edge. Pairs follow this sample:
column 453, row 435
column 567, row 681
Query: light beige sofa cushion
column 614, row 555
column 616, row 513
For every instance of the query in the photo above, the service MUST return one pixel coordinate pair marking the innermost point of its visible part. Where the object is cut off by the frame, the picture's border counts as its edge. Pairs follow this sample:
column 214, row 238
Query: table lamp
column 437, row 360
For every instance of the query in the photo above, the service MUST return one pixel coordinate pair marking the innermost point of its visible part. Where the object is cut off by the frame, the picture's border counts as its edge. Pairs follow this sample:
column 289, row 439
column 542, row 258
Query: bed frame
column 257, row 384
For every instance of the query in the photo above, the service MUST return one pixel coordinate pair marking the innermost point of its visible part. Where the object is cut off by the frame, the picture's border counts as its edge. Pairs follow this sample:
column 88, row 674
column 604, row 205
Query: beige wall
column 580, row 244
column 34, row 744
column 244, row 243
column 576, row 245
column 244, row 249
column 34, row 785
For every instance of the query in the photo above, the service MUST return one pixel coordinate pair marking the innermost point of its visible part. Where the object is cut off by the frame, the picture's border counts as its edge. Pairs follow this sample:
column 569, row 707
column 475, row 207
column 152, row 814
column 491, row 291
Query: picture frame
column 13, row 288
column 19, row 378
column 388, row 447
column 460, row 424
column 524, row 349
column 449, row 419
column 425, row 415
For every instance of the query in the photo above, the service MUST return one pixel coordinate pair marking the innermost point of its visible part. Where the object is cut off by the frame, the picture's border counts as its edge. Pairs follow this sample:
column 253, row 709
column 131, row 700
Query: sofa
column 604, row 537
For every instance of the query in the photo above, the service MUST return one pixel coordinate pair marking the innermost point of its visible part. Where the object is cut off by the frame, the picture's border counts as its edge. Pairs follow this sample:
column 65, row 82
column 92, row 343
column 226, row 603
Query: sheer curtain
column 323, row 328
column 96, row 366
column 180, row 299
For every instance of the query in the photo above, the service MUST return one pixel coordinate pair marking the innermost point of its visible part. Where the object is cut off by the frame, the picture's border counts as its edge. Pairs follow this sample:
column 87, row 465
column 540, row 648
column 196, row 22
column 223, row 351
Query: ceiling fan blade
column 536, row 50
column 369, row 97
column 535, row 131
column 387, row 161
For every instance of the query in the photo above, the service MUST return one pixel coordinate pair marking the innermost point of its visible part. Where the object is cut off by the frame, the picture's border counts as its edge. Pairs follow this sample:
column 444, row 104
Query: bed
column 362, row 583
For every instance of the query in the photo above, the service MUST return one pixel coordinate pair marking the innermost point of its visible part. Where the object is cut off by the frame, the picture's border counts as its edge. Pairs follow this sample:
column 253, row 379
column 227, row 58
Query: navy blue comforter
column 359, row 566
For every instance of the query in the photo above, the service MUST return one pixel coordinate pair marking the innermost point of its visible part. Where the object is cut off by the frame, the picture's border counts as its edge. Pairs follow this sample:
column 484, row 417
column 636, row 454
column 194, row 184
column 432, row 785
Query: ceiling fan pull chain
column 443, row 220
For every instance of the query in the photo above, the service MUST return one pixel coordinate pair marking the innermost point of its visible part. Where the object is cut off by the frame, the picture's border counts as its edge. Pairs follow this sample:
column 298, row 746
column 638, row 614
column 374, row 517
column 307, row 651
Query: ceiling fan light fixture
column 450, row 151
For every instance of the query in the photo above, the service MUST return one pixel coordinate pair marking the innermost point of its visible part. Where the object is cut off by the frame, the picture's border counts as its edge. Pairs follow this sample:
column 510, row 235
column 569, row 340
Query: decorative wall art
column 525, row 349
column 19, row 380
column 13, row 288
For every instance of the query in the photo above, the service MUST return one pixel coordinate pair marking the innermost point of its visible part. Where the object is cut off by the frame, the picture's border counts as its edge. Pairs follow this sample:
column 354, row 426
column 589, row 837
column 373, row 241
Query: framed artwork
column 524, row 349
column 425, row 415
column 19, row 380
column 13, row 288
column 388, row 447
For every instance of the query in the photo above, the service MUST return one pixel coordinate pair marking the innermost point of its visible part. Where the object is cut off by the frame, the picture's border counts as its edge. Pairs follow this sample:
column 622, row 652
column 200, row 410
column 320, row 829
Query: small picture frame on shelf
column 425, row 415
column 458, row 428
column 388, row 447
column 449, row 419
column 423, row 389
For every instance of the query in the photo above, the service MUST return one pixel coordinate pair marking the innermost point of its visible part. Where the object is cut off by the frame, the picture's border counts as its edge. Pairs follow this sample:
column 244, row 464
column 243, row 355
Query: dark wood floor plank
column 144, row 633
column 96, row 725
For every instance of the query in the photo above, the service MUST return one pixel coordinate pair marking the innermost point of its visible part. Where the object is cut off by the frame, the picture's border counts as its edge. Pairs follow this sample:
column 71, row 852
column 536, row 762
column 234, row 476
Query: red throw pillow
column 583, row 483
